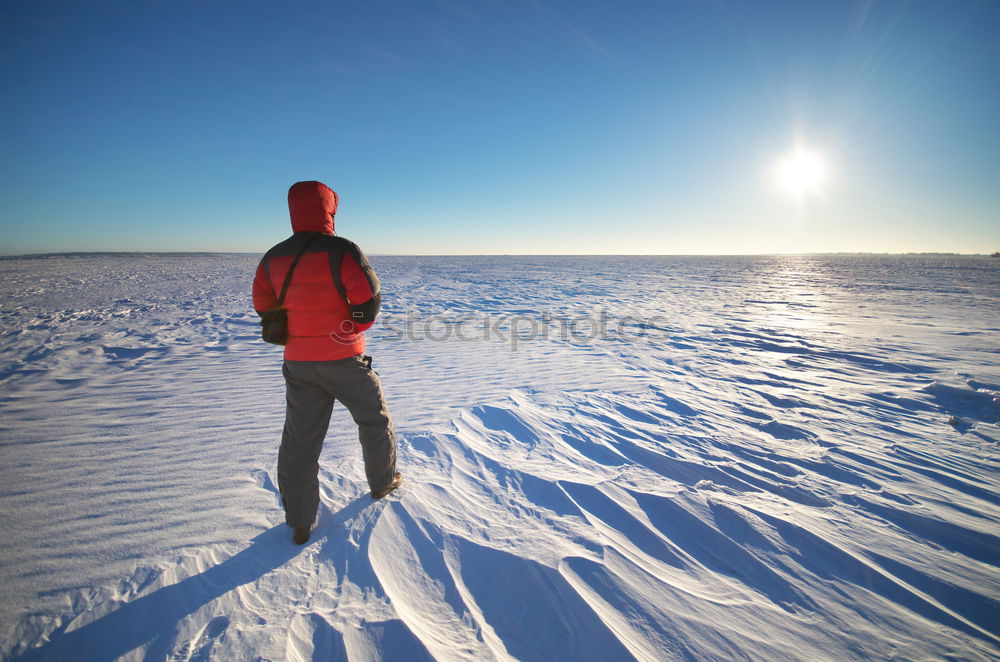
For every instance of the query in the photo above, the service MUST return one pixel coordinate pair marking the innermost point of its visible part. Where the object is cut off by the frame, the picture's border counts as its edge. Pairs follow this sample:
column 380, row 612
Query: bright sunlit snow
column 658, row 458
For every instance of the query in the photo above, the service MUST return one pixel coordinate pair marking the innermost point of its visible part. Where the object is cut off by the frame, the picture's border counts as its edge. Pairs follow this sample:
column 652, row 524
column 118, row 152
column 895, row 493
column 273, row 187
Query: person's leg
column 307, row 417
column 355, row 384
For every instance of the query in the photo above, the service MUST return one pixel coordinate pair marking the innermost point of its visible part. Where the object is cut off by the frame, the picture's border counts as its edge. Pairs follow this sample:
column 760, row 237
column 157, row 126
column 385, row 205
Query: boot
column 396, row 481
column 300, row 534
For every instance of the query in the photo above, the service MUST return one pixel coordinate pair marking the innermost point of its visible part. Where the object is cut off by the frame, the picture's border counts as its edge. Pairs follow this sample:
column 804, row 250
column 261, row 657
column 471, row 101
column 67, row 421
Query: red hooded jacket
column 334, row 293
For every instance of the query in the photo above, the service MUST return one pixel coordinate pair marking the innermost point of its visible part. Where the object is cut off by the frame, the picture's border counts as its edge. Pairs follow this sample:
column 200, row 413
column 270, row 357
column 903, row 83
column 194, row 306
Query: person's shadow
column 143, row 621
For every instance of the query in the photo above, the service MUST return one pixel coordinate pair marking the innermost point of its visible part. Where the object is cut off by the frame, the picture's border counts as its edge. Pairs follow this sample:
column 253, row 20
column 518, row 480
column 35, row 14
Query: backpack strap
column 291, row 269
column 335, row 253
column 363, row 313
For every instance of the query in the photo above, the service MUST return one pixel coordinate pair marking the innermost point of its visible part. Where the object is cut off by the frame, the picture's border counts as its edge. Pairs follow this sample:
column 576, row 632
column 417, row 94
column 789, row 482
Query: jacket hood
column 312, row 206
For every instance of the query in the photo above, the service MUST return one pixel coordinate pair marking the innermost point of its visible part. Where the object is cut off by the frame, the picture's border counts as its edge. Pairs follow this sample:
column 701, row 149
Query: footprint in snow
column 199, row 649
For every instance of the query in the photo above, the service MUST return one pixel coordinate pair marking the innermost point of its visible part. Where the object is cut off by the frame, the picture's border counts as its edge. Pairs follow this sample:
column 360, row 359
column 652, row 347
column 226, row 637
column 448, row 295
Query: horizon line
column 53, row 254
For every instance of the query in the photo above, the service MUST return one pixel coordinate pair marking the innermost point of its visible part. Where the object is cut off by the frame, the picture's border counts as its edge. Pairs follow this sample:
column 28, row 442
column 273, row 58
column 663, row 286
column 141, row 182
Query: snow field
column 759, row 458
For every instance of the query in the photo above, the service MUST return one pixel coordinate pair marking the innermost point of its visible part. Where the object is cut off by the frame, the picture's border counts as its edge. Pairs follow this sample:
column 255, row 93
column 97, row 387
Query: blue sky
column 500, row 126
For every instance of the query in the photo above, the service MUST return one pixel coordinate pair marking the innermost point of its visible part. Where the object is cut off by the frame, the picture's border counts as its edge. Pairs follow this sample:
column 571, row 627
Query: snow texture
column 606, row 458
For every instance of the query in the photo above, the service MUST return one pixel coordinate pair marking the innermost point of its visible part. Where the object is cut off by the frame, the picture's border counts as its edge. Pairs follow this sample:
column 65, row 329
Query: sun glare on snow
column 801, row 172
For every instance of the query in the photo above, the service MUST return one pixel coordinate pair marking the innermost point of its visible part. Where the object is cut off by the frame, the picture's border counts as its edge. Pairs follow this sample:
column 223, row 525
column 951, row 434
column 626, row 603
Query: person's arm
column 264, row 297
column 362, row 288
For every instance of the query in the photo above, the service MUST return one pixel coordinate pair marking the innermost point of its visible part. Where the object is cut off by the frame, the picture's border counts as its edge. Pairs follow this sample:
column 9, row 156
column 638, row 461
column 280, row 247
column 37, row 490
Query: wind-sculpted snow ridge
column 597, row 527
column 797, row 465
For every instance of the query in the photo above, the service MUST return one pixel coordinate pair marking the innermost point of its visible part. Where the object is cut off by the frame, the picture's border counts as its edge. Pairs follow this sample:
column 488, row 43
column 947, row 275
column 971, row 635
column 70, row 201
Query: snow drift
column 788, row 458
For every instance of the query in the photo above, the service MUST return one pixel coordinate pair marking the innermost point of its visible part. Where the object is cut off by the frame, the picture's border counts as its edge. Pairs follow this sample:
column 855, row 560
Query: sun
column 802, row 172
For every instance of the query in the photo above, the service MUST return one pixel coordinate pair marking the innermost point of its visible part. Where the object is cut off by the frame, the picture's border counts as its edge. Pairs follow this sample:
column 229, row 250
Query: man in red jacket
column 332, row 298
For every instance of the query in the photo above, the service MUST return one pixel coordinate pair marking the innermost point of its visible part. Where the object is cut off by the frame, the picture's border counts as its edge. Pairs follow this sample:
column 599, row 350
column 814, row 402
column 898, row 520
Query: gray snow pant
column 311, row 387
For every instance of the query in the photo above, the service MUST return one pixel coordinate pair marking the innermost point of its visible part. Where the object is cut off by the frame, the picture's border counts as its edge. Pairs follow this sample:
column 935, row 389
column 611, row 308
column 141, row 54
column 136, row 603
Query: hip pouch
column 274, row 326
